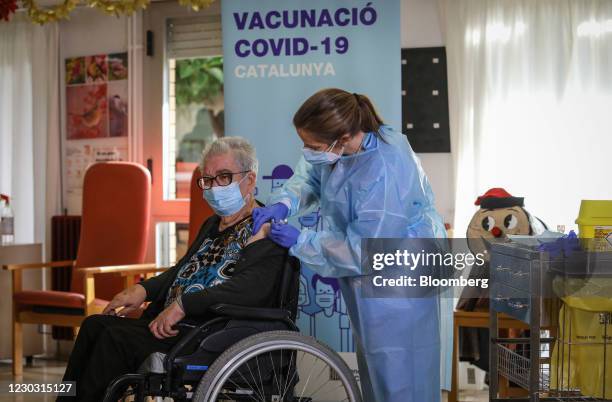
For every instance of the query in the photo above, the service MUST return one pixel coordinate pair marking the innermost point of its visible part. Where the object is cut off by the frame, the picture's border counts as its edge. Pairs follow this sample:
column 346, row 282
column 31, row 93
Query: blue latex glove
column 278, row 212
column 563, row 246
column 283, row 234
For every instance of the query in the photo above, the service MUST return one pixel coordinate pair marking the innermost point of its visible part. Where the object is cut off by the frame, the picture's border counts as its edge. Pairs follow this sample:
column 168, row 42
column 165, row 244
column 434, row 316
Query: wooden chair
column 112, row 247
column 480, row 319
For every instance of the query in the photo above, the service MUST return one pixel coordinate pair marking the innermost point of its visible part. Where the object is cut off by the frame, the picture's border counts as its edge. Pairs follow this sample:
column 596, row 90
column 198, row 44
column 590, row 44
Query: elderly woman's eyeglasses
column 222, row 179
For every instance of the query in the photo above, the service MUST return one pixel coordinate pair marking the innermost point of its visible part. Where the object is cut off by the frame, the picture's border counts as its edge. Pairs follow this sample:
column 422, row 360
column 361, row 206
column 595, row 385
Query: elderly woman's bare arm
column 262, row 234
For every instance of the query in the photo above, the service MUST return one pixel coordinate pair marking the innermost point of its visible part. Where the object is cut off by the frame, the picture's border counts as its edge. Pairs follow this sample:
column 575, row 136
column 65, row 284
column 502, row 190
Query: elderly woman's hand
column 161, row 326
column 127, row 301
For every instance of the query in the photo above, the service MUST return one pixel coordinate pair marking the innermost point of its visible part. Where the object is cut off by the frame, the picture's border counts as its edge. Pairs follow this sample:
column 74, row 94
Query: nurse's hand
column 278, row 212
column 284, row 235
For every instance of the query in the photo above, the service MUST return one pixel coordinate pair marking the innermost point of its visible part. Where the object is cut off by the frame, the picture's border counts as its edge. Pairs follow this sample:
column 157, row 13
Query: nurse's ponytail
column 331, row 113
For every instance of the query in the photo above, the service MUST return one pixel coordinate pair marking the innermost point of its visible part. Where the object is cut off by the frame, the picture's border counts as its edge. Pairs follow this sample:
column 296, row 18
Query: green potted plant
column 200, row 81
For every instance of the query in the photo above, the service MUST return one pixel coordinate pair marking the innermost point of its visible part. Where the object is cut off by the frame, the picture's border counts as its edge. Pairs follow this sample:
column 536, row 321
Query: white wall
column 421, row 28
column 87, row 32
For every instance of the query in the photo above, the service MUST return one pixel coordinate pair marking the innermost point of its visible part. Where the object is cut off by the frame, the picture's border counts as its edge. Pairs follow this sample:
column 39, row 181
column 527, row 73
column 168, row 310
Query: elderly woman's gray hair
column 240, row 148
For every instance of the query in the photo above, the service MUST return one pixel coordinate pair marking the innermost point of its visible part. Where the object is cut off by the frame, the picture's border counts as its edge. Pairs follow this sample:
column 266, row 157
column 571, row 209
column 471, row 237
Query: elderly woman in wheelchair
column 220, row 323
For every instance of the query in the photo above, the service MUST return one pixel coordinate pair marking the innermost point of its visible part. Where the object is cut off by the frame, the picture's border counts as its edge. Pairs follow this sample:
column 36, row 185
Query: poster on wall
column 96, row 116
column 96, row 96
column 277, row 54
column 87, row 111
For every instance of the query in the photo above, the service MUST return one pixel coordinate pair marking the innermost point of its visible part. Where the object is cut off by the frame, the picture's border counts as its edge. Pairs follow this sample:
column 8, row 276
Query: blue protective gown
column 380, row 192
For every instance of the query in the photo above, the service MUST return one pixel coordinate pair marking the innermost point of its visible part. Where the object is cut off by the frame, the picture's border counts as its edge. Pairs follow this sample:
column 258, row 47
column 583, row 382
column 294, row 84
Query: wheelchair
column 244, row 354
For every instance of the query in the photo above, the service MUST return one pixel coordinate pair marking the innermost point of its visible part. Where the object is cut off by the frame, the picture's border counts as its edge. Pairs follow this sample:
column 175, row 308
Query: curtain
column 530, row 88
column 29, row 125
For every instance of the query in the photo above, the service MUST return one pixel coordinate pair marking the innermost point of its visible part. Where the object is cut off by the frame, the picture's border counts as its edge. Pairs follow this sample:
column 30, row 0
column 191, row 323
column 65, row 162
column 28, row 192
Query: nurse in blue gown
column 368, row 183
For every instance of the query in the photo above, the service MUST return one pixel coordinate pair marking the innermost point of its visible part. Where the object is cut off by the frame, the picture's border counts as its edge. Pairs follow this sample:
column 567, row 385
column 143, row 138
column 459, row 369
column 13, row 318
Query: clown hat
column 496, row 198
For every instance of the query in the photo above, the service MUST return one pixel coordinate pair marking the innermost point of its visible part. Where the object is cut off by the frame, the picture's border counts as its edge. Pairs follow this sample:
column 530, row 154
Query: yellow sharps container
column 595, row 222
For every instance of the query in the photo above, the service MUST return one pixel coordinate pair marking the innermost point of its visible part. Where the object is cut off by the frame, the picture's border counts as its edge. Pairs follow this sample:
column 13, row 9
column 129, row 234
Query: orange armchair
column 199, row 210
column 112, row 247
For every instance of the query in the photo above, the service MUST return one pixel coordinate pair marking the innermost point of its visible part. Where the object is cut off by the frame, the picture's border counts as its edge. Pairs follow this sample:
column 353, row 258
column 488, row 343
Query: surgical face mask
column 225, row 200
column 325, row 299
column 322, row 157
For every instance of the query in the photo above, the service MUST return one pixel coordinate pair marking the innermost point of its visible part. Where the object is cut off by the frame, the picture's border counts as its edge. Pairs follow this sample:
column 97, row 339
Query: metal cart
column 522, row 287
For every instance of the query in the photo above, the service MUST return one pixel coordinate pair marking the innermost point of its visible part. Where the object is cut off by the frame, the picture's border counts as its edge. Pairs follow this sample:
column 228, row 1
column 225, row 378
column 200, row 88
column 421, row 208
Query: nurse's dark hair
column 331, row 113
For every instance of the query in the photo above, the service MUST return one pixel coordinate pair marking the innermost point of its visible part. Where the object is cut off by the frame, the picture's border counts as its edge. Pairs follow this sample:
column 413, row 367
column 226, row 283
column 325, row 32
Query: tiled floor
column 42, row 371
column 474, row 396
column 51, row 371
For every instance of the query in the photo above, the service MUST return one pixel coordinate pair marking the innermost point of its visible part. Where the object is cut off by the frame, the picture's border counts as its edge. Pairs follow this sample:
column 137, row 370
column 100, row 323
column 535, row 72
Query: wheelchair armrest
column 250, row 313
column 226, row 312
column 195, row 333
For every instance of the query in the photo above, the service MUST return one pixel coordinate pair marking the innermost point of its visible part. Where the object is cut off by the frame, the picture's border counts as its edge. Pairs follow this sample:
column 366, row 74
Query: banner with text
column 277, row 54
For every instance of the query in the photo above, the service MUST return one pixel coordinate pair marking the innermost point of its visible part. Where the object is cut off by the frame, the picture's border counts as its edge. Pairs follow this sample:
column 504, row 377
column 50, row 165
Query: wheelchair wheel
column 278, row 366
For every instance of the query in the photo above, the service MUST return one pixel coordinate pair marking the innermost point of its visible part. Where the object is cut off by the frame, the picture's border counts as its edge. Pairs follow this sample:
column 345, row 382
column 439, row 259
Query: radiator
column 65, row 232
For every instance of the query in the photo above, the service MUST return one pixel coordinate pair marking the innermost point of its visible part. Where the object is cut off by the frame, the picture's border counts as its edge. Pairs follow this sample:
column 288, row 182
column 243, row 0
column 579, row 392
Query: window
column 194, row 97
